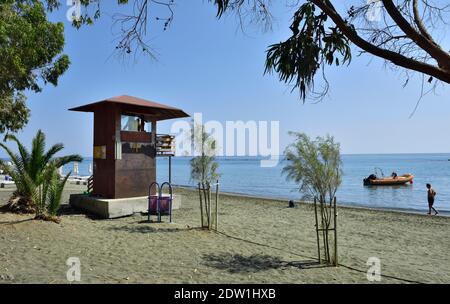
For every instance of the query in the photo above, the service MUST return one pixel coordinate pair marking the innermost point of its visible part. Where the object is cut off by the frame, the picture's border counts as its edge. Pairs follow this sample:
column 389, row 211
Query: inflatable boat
column 389, row 181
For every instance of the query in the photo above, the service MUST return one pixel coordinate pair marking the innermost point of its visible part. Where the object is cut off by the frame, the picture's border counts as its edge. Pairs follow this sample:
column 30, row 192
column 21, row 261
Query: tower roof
column 135, row 105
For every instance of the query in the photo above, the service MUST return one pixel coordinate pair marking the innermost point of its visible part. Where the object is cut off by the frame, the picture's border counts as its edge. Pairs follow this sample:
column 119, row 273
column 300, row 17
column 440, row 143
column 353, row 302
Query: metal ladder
column 159, row 198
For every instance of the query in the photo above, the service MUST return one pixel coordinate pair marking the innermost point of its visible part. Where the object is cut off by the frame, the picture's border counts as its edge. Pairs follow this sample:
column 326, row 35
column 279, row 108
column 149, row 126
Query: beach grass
column 259, row 241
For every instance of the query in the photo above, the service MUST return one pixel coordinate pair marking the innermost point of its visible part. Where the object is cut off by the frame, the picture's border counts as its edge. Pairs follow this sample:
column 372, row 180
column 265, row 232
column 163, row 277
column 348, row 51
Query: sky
column 210, row 66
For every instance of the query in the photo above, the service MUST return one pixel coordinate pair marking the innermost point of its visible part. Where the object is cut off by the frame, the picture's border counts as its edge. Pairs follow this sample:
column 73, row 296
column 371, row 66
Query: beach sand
column 260, row 241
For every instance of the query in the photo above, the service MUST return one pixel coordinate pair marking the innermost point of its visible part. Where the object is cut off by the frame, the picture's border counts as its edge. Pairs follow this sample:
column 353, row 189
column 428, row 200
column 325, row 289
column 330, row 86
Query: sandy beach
column 260, row 241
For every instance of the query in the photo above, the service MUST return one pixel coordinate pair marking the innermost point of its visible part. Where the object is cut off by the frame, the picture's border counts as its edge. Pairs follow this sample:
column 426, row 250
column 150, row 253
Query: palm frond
column 32, row 190
column 24, row 154
column 64, row 160
column 37, row 155
column 15, row 159
column 55, row 195
column 52, row 151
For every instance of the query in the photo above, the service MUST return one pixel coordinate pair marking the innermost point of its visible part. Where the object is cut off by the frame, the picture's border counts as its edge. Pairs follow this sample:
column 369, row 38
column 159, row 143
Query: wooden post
column 153, row 138
column 170, row 170
column 317, row 229
column 205, row 196
column 324, row 231
column 335, row 235
column 217, row 204
column 142, row 124
column 153, row 144
column 201, row 205
column 209, row 210
column 153, row 132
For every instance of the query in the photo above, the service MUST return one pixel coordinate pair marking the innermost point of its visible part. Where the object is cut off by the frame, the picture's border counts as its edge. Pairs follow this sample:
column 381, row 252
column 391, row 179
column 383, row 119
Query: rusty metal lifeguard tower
column 125, row 149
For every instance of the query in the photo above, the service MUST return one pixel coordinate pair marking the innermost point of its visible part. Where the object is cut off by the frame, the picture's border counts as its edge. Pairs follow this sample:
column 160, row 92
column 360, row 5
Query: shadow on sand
column 68, row 210
column 15, row 222
column 237, row 263
column 302, row 265
column 149, row 227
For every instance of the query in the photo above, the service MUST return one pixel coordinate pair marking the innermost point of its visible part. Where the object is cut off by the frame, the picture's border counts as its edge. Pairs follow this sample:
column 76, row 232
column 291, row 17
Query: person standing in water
column 431, row 194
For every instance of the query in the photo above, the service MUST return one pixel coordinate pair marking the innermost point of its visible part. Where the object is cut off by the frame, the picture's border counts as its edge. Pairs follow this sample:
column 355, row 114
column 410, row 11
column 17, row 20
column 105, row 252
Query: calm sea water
column 244, row 175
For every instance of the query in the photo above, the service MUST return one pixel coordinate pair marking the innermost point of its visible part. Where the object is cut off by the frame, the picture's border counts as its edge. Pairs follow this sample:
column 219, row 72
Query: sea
column 244, row 175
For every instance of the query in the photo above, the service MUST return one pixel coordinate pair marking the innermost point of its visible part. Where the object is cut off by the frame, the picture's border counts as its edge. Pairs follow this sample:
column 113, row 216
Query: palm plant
column 55, row 193
column 34, row 173
column 47, row 196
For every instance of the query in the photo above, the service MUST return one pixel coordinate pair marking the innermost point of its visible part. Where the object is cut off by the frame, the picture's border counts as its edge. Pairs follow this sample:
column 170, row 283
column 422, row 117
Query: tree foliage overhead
column 30, row 56
column 13, row 112
column 407, row 34
column 311, row 47
column 404, row 33
column 398, row 31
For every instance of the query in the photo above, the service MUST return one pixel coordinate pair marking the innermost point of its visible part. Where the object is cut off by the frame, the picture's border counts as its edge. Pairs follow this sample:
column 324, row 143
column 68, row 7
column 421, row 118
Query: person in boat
column 394, row 175
column 372, row 177
column 431, row 194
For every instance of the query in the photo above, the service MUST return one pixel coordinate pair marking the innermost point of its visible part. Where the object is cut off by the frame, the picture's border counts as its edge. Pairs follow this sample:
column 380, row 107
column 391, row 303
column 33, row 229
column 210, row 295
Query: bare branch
column 396, row 58
column 133, row 28
column 435, row 51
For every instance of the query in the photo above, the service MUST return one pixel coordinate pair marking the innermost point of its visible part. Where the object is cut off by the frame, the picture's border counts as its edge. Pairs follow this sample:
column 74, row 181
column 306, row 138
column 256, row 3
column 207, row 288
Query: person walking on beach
column 431, row 194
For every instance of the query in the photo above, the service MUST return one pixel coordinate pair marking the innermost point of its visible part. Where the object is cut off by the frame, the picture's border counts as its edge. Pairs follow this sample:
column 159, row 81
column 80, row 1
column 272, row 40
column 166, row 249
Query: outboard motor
column 367, row 180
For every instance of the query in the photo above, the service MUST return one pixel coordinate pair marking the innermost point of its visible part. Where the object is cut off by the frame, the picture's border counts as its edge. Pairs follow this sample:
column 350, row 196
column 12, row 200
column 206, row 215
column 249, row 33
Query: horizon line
column 343, row 154
column 282, row 155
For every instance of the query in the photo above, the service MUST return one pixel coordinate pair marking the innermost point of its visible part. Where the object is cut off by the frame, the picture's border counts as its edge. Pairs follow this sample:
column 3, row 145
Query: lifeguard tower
column 125, row 148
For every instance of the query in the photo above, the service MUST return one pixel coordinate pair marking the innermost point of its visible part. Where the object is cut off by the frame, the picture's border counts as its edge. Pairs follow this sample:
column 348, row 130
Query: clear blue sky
column 210, row 66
